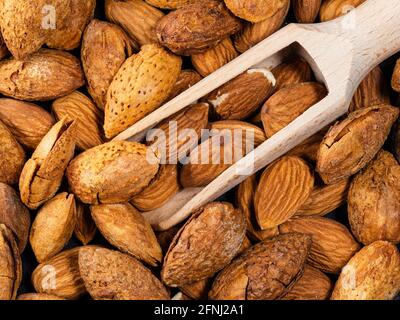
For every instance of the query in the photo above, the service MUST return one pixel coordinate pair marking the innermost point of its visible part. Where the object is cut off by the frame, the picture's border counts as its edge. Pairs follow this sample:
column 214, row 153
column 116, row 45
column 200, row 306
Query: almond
column 332, row 243
column 76, row 106
column 112, row 172
column 267, row 271
column 308, row 149
column 204, row 245
column 38, row 296
column 45, row 75
column 288, row 103
column 306, row 11
column 288, row 176
column 372, row 274
column 396, row 140
column 331, row 9
column 142, row 84
column 186, row 79
column 165, row 237
column 43, row 172
column 374, row 201
column 395, row 82
column 170, row 4
column 125, row 228
column 113, row 275
column 294, row 71
column 27, row 122
column 196, row 27
column 3, row 48
column 353, row 142
column 197, row 290
column 85, row 229
column 53, row 226
column 105, row 47
column 255, row 10
column 214, row 58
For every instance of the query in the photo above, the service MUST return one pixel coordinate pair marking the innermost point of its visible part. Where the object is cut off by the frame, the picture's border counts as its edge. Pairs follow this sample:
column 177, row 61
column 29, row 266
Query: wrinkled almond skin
column 294, row 71
column 43, row 172
column 85, row 228
column 53, row 226
column 170, row 4
column 136, row 17
column 111, row 275
column 142, row 84
column 60, row 276
column 331, row 9
column 255, row 10
column 395, row 81
column 125, row 228
column 186, row 79
column 14, row 215
column 313, row 285
column 198, row 290
column 350, row 144
column 214, row 58
column 267, row 271
column 242, row 96
column 45, row 75
column 112, row 172
column 76, row 106
column 290, row 176
column 38, row 296
column 12, row 157
column 288, row 103
column 27, row 25
column 164, row 185
column 105, row 47
column 196, row 27
column 253, row 33
column 27, row 122
column 204, row 245
column 372, row 274
column 332, row 243
column 374, row 201
column 306, row 11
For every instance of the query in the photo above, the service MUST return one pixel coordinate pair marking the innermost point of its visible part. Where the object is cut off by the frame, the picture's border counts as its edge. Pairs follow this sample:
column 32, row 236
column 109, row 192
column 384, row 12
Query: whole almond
column 112, row 172
column 306, row 11
column 288, row 103
column 267, row 271
column 372, row 274
column 27, row 122
column 374, row 201
column 214, row 58
column 255, row 10
column 85, row 228
column 204, row 245
column 113, row 275
column 395, row 82
column 196, row 27
column 290, row 176
column 76, row 106
column 332, row 243
column 125, row 228
column 294, row 71
column 331, row 9
column 53, row 226
column 142, row 84
column 105, row 47
column 60, row 276
column 45, row 75
column 170, row 4
column 350, row 144
column 38, row 296
column 186, row 79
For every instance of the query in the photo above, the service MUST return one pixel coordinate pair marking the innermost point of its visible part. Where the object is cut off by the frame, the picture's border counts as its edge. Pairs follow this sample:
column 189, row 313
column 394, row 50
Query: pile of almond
column 76, row 73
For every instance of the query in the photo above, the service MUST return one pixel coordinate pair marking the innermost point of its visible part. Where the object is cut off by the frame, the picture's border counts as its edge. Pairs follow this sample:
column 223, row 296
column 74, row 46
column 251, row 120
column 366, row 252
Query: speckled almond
column 112, row 172
column 204, row 245
column 255, row 10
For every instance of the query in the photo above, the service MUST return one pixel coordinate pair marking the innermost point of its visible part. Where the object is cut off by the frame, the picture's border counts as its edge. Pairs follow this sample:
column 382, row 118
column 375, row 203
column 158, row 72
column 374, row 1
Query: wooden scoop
column 341, row 53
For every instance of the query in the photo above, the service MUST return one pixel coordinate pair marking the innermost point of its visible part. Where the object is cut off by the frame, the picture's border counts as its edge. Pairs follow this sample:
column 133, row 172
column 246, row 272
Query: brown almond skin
column 308, row 149
column 372, row 274
column 214, row 58
column 396, row 140
column 85, row 228
column 53, row 226
column 306, row 11
column 164, row 186
column 204, row 245
column 105, row 47
column 111, row 275
column 112, row 172
column 267, row 271
column 374, row 201
column 395, row 81
column 125, row 228
column 253, row 33
column 332, row 243
column 38, row 296
column 76, row 106
column 242, row 96
column 353, row 142
column 170, row 4
column 290, row 176
column 255, row 10
column 294, row 71
column 331, row 9
column 136, row 17
column 198, row 290
column 288, row 103
column 313, row 285
column 27, row 122
column 60, row 276
column 12, row 157
column 14, row 215
column 196, row 27
column 186, row 79
column 45, row 75
column 3, row 48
